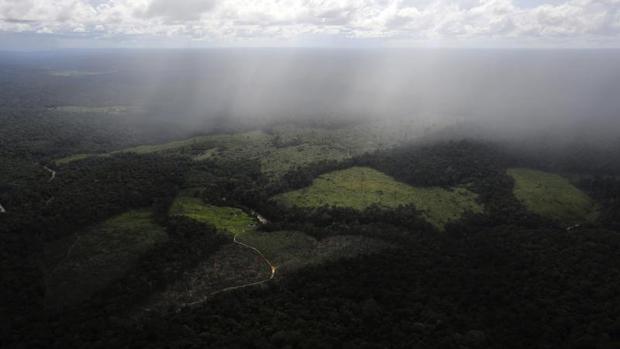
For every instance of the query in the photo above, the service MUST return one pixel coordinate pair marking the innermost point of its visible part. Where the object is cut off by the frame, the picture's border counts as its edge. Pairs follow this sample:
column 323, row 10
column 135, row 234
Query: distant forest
column 504, row 277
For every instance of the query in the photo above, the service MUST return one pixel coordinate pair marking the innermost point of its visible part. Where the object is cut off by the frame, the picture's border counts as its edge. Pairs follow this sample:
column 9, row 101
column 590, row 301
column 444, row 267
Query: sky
column 44, row 24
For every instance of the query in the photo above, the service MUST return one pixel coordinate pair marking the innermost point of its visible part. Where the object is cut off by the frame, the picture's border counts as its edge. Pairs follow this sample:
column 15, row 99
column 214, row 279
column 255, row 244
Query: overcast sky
column 32, row 24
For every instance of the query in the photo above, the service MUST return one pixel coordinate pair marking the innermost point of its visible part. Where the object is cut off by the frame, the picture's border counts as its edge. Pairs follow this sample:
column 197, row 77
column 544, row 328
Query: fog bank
column 509, row 92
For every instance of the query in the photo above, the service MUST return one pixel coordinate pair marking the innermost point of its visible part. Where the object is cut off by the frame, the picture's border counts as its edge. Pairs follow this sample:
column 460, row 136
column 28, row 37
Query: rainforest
column 275, row 198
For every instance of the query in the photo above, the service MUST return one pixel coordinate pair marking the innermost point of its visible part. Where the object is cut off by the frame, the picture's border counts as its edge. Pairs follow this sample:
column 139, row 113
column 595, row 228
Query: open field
column 361, row 187
column 552, row 196
column 98, row 255
column 226, row 219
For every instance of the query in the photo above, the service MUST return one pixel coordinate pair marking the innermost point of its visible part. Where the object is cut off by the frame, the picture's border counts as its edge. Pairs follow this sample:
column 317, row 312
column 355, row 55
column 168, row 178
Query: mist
column 368, row 197
column 502, row 94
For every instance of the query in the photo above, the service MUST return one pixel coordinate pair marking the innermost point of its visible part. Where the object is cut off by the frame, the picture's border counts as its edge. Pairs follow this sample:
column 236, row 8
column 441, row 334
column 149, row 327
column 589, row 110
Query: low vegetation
column 226, row 219
column 552, row 196
column 362, row 187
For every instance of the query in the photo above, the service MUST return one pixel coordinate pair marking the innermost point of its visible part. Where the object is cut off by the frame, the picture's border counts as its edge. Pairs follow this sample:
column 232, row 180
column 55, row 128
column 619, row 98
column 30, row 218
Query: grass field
column 101, row 254
column 361, row 187
column 552, row 196
column 226, row 219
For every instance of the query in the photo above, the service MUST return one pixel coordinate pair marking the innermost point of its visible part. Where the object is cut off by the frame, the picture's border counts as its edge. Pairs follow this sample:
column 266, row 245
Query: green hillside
column 552, row 196
column 361, row 187
column 226, row 219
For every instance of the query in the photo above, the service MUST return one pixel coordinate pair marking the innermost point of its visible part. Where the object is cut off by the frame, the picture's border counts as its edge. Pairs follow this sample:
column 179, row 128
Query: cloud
column 179, row 10
column 284, row 20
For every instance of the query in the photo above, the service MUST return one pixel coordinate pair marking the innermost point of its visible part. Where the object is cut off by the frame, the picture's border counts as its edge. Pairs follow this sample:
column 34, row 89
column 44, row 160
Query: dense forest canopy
column 143, row 207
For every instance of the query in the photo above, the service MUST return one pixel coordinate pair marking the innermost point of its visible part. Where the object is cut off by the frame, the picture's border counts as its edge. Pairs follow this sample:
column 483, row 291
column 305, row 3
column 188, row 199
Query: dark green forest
column 503, row 277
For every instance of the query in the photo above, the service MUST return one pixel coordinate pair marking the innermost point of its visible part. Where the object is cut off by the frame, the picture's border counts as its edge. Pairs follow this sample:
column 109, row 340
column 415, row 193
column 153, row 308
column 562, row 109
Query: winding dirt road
column 52, row 173
column 256, row 283
column 262, row 220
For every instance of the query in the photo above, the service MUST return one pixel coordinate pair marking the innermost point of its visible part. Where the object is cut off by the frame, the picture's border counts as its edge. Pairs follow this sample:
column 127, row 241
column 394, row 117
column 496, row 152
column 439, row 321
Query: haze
column 310, row 173
column 572, row 92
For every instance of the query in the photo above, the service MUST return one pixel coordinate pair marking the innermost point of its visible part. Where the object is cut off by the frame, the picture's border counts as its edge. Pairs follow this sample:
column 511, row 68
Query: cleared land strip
column 256, row 283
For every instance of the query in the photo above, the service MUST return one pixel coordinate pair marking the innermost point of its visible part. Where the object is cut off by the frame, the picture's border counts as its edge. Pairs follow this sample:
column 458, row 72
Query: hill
column 553, row 196
column 362, row 187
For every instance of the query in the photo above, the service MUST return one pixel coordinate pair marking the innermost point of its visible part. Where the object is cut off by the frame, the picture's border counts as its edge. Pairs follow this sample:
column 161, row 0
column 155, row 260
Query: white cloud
column 273, row 20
